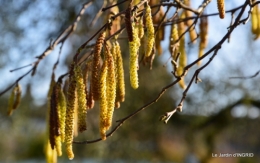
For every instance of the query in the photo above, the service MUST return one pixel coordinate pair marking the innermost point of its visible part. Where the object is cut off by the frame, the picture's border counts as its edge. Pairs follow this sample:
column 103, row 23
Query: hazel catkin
column 82, row 102
column 221, row 8
column 71, row 105
column 103, row 99
column 120, row 74
column 203, row 36
column 174, row 43
column 133, row 65
column 110, row 88
column 96, row 65
column 14, row 99
column 183, row 56
column 150, row 31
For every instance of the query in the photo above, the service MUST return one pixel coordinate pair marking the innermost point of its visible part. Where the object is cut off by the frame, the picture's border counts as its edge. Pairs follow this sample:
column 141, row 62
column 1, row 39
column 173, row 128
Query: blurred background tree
column 220, row 115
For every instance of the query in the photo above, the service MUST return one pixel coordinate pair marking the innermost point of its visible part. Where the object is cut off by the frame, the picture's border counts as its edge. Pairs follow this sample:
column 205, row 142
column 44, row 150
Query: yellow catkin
column 69, row 122
column 14, row 99
column 86, row 81
column 258, row 24
column 183, row 56
column 133, row 65
column 255, row 22
column 62, row 110
column 50, row 154
column 221, row 8
column 58, row 145
column 110, row 88
column 18, row 95
column 174, row 43
column 96, row 65
column 140, row 28
column 120, row 74
column 150, row 31
column 82, row 102
column 103, row 100
column 203, row 36
column 56, row 117
column 189, row 23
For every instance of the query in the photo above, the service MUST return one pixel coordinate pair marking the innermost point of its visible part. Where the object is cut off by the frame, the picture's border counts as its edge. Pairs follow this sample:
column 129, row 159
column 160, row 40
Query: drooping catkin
column 62, row 110
column 110, row 88
column 255, row 22
column 254, row 19
column 50, row 154
column 14, row 99
column 128, row 24
column 183, row 56
column 96, row 65
column 82, row 102
column 120, row 74
column 69, row 122
column 203, row 36
column 55, row 116
column 221, row 8
column 189, row 23
column 103, row 99
column 58, row 145
column 140, row 28
column 133, row 65
column 150, row 31
column 174, row 43
column 54, row 128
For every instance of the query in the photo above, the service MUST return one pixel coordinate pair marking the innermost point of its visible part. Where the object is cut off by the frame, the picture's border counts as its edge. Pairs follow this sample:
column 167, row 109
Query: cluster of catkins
column 106, row 85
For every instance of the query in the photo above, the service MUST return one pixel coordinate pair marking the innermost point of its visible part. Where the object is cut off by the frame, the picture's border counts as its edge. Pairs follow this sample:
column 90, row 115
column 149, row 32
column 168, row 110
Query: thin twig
column 246, row 77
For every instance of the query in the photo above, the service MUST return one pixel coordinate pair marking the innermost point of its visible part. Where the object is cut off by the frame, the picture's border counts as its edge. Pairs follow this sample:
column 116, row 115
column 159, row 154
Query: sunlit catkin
column 255, row 22
column 174, row 42
column 58, row 145
column 150, row 31
column 221, row 8
column 183, row 56
column 50, row 154
column 62, row 110
column 55, row 116
column 14, row 99
column 110, row 89
column 189, row 23
column 140, row 28
column 120, row 74
column 133, row 65
column 103, row 100
column 69, row 122
column 82, row 102
column 96, row 65
column 203, row 36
